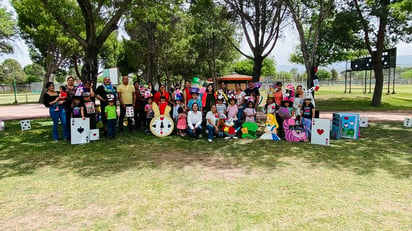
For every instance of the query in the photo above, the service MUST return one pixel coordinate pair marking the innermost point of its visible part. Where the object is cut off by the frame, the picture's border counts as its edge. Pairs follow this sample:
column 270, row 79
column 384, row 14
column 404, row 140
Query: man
column 104, row 93
column 252, row 90
column 126, row 99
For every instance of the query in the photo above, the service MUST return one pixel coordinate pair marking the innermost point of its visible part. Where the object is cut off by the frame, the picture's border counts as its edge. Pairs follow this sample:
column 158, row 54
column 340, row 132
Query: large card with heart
column 80, row 131
column 320, row 131
column 129, row 112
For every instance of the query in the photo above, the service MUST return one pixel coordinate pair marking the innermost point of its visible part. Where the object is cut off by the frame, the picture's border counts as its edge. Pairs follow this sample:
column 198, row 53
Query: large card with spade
column 80, row 130
column 320, row 131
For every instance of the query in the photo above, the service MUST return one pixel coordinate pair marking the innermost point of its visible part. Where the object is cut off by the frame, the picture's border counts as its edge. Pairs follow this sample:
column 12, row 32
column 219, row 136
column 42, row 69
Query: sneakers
column 210, row 140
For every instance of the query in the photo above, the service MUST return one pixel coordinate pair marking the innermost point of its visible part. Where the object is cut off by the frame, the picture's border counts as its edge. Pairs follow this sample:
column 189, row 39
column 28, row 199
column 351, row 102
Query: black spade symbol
column 154, row 125
column 161, row 125
column 80, row 130
column 169, row 125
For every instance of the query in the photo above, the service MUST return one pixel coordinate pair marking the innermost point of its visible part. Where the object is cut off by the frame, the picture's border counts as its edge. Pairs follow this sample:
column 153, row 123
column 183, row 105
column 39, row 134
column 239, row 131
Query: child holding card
column 308, row 113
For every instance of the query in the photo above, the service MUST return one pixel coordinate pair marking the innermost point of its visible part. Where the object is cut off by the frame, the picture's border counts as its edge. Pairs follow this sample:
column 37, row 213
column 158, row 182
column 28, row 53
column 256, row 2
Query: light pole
column 14, row 83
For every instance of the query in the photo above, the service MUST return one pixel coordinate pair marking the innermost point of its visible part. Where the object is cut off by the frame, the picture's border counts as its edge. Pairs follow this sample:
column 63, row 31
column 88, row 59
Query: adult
column 104, row 93
column 51, row 100
column 126, row 99
column 223, row 88
column 278, row 95
column 208, row 98
column 139, row 102
column 70, row 91
column 212, row 117
column 194, row 121
column 253, row 92
column 240, row 101
column 186, row 92
column 151, row 87
column 162, row 92
column 298, row 101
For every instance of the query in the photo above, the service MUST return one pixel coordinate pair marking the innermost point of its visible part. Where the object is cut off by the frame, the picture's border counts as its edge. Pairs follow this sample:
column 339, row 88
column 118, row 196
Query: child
column 149, row 114
column 90, row 111
column 62, row 97
column 308, row 113
column 250, row 112
column 176, row 109
column 181, row 122
column 111, row 115
column 195, row 99
column 270, row 106
column 232, row 109
column 78, row 108
column 221, row 107
column 162, row 105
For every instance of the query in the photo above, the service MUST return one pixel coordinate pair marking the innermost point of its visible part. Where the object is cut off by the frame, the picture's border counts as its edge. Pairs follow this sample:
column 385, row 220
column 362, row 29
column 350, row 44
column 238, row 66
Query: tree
column 380, row 25
column 334, row 74
column 245, row 67
column 34, row 73
column 11, row 69
column 309, row 17
column 261, row 22
column 7, row 30
column 99, row 20
column 323, row 74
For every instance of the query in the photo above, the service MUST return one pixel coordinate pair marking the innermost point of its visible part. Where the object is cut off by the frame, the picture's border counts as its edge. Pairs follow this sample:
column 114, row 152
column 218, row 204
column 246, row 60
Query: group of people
column 195, row 109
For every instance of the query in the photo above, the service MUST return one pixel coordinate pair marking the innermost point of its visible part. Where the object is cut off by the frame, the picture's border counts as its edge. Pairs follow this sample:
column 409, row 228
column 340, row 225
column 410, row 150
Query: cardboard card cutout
column 363, row 122
column 1, row 125
column 293, row 134
column 320, row 132
column 271, row 127
column 129, row 112
column 94, row 134
column 407, row 122
column 80, row 130
column 25, row 125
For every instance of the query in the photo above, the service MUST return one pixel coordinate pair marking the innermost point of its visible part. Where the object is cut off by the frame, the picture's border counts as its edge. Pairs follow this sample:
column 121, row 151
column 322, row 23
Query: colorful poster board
column 345, row 125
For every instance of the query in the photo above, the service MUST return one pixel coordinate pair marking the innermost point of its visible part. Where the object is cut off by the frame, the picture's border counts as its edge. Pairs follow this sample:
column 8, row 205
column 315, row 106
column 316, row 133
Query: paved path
column 36, row 111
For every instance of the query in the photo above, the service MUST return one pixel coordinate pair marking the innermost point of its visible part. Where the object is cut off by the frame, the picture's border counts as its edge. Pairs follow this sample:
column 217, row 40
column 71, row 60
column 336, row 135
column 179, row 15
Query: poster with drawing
column 320, row 132
column 80, row 130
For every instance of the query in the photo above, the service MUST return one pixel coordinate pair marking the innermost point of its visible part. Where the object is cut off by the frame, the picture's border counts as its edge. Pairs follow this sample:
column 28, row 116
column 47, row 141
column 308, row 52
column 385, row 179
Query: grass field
column 140, row 182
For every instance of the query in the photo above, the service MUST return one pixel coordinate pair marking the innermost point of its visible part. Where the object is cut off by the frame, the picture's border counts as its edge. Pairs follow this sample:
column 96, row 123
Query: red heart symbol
column 320, row 131
column 162, row 118
column 94, row 134
column 346, row 118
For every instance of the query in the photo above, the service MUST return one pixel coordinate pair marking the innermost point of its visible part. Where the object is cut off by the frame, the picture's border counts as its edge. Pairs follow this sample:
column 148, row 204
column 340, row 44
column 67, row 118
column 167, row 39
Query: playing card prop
column 407, row 122
column 345, row 125
column 320, row 132
column 80, row 131
column 25, row 125
column 363, row 122
column 1, row 125
column 129, row 112
column 94, row 134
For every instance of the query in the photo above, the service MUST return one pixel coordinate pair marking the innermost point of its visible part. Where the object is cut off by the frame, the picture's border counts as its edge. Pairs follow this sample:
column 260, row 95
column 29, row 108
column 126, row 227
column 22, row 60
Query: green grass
column 142, row 182
column 21, row 98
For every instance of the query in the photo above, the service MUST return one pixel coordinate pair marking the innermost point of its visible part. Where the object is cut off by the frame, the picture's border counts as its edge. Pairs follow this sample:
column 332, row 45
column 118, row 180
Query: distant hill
column 402, row 61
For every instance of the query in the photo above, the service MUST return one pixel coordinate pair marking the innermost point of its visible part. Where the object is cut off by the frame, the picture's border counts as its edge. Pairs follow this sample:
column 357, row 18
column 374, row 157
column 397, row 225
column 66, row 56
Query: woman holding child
column 51, row 100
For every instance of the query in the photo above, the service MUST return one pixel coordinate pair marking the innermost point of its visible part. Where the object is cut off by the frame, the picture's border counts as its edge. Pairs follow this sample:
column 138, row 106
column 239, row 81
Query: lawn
column 143, row 182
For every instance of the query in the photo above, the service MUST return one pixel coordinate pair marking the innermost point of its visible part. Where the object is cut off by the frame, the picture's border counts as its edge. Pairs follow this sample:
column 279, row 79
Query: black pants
column 121, row 118
column 139, row 119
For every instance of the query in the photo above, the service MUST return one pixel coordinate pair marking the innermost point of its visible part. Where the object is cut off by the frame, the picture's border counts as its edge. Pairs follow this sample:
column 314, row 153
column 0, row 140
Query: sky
column 281, row 53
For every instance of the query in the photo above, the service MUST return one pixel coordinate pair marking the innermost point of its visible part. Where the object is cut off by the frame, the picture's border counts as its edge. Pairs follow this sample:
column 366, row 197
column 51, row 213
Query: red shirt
column 162, row 108
column 188, row 95
column 156, row 97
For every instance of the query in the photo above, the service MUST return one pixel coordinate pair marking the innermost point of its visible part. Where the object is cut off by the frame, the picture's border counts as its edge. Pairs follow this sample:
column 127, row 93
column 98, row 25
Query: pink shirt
column 232, row 111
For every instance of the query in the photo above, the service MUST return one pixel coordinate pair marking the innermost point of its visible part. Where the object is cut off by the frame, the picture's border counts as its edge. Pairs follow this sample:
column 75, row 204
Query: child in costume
column 149, row 114
column 195, row 99
column 111, row 115
column 78, row 108
column 308, row 113
column 250, row 111
column 221, row 107
column 232, row 109
column 270, row 106
column 181, row 122
column 89, row 109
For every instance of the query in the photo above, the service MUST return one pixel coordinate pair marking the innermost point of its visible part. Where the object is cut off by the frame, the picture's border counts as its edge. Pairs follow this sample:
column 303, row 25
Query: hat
column 110, row 100
column 220, row 97
column 86, row 94
column 178, row 97
column 194, row 90
column 308, row 97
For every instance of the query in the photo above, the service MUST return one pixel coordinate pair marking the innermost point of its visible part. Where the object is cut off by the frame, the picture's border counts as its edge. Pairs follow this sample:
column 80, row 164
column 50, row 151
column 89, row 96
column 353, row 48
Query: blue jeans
column 194, row 132
column 111, row 127
column 238, row 123
column 211, row 131
column 55, row 116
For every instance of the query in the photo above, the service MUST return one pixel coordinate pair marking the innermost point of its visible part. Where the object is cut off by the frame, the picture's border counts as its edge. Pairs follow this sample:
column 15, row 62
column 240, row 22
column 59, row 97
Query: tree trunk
column 90, row 66
column 45, row 81
column 377, row 91
column 257, row 68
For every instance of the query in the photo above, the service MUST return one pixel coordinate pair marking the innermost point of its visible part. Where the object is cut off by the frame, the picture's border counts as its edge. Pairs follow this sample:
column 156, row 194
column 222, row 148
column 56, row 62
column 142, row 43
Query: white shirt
column 194, row 119
column 210, row 115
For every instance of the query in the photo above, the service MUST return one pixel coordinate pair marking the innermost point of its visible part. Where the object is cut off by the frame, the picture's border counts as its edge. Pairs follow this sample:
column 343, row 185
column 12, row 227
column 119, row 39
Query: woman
column 151, row 88
column 240, row 101
column 298, row 101
column 139, row 114
column 278, row 95
column 194, row 121
column 162, row 92
column 209, row 98
column 212, row 117
column 51, row 99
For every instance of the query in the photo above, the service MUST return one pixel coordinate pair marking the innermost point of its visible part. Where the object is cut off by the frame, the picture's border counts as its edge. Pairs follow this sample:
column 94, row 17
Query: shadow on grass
column 384, row 147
